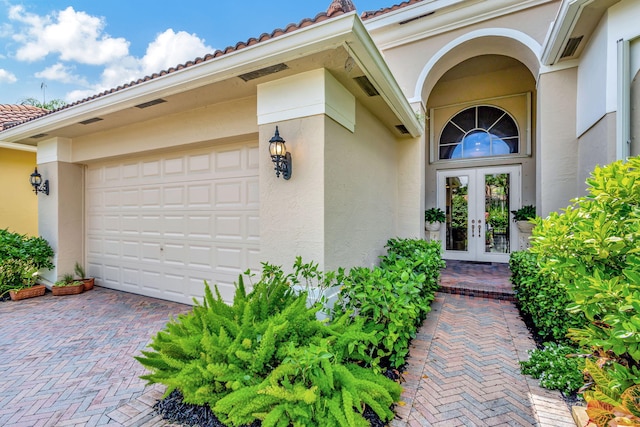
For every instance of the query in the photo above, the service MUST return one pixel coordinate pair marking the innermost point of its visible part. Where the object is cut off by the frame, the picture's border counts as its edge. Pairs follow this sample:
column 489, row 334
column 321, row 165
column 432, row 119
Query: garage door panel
column 163, row 224
column 174, row 166
column 200, row 226
column 150, row 226
column 199, row 196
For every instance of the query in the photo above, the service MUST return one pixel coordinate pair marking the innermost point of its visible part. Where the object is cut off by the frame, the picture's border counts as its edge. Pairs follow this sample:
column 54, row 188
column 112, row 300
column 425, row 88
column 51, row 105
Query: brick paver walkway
column 67, row 361
column 463, row 370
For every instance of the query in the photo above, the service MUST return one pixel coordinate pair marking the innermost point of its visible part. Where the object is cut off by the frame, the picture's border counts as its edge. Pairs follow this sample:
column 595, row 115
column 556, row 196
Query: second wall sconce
column 36, row 182
column 279, row 156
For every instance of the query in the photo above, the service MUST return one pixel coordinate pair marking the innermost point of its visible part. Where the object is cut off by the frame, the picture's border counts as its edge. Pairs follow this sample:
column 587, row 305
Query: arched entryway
column 480, row 98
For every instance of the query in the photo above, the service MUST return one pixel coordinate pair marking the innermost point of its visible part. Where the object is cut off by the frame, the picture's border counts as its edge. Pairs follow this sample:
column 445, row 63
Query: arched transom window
column 480, row 131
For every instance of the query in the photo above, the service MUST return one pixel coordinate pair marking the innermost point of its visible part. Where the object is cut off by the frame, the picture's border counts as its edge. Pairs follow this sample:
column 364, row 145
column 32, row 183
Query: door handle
column 473, row 227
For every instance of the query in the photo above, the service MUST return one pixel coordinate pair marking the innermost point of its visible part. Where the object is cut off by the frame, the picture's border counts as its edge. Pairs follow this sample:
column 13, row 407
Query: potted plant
column 67, row 286
column 87, row 281
column 18, row 278
column 433, row 218
column 523, row 217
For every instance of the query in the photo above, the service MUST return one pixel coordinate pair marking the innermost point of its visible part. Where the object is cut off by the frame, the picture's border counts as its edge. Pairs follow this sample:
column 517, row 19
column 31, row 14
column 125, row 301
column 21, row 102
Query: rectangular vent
column 406, row 21
column 402, row 129
column 263, row 72
column 571, row 47
column 89, row 121
column 366, row 85
column 40, row 135
column 150, row 103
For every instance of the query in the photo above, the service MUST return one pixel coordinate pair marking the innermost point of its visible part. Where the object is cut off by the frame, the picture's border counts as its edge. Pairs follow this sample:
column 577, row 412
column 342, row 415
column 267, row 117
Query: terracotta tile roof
column 374, row 13
column 336, row 8
column 11, row 114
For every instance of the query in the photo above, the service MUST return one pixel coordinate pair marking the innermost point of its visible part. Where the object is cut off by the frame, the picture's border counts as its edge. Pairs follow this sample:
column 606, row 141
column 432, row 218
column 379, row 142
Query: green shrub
column 16, row 274
column 592, row 250
column 555, row 370
column 542, row 298
column 395, row 297
column 266, row 357
column 19, row 246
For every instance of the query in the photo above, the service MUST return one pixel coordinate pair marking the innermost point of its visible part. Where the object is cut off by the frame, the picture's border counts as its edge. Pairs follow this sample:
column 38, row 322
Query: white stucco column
column 292, row 212
column 60, row 214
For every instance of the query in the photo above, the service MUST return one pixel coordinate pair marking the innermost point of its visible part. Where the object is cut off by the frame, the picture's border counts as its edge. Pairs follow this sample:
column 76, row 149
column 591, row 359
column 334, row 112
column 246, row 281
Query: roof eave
column 346, row 30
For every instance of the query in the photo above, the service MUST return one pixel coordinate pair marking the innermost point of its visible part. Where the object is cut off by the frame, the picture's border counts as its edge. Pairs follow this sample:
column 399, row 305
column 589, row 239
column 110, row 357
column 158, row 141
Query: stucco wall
column 595, row 147
column 292, row 221
column 557, row 147
column 408, row 61
column 18, row 203
column 593, row 74
column 61, row 216
column 361, row 191
column 223, row 122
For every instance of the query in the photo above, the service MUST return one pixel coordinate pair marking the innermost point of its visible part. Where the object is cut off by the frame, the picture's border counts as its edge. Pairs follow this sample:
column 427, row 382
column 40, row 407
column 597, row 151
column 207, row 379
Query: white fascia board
column 568, row 15
column 366, row 54
column 303, row 42
column 389, row 33
column 19, row 147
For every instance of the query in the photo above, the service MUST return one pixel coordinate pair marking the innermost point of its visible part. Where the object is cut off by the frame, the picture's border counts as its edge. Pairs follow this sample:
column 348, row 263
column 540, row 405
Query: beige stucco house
column 478, row 107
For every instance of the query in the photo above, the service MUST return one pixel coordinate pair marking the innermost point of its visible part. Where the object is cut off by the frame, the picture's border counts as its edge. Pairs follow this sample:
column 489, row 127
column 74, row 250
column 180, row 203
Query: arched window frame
column 519, row 107
column 476, row 115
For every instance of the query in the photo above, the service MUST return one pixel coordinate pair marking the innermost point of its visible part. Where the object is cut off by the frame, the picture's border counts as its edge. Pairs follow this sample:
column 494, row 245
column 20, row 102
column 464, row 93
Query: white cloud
column 7, row 77
column 167, row 50
column 170, row 49
column 74, row 36
column 61, row 73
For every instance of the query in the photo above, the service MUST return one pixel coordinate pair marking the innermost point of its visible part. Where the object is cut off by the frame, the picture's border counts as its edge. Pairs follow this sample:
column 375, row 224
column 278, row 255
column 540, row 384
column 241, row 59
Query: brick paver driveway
column 69, row 360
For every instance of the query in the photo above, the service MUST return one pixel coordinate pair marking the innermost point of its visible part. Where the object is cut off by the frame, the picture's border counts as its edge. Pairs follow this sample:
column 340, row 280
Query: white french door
column 477, row 203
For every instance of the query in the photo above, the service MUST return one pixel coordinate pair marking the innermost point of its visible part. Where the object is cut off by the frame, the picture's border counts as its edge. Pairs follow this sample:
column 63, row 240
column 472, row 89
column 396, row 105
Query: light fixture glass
column 36, row 182
column 279, row 156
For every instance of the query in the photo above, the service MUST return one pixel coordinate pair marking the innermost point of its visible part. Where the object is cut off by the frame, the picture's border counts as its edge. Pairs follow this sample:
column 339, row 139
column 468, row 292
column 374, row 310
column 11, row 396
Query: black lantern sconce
column 279, row 156
column 36, row 182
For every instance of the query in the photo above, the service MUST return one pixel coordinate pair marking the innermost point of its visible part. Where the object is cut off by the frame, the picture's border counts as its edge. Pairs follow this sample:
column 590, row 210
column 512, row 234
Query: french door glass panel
column 477, row 204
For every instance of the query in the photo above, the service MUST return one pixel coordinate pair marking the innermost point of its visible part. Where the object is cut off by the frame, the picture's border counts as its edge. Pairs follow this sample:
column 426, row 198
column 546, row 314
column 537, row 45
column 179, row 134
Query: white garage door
column 160, row 225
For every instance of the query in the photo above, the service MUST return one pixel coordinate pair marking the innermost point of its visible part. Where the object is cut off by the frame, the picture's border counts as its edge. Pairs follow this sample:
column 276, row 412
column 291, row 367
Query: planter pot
column 33, row 291
column 68, row 290
column 525, row 226
column 88, row 283
column 432, row 226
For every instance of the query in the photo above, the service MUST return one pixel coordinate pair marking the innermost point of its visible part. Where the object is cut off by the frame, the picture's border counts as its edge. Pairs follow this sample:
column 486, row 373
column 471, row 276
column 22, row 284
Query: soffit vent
column 263, row 72
column 89, row 121
column 366, row 85
column 406, row 21
column 150, row 103
column 40, row 135
column 402, row 129
column 571, row 47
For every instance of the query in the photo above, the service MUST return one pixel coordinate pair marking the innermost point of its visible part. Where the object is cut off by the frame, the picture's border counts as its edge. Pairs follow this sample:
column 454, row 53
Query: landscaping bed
column 266, row 359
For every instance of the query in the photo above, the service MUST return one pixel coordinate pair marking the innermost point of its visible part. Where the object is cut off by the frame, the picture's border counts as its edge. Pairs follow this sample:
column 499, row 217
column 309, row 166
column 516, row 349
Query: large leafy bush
column 395, row 297
column 542, row 298
column 266, row 357
column 19, row 246
column 592, row 249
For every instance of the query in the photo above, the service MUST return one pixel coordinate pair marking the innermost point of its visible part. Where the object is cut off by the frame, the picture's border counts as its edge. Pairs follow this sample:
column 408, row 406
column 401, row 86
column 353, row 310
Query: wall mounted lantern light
column 36, row 182
column 279, row 156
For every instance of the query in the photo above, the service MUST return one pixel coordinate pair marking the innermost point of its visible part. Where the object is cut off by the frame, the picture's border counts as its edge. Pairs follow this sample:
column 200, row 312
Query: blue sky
column 78, row 48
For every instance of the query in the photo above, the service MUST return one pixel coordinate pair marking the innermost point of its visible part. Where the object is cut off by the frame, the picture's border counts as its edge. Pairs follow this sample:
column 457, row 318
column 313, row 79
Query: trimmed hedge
column 542, row 298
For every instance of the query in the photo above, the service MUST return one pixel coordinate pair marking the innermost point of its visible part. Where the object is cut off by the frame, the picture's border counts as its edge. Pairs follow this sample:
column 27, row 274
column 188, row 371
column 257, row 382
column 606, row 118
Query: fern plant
column 268, row 351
